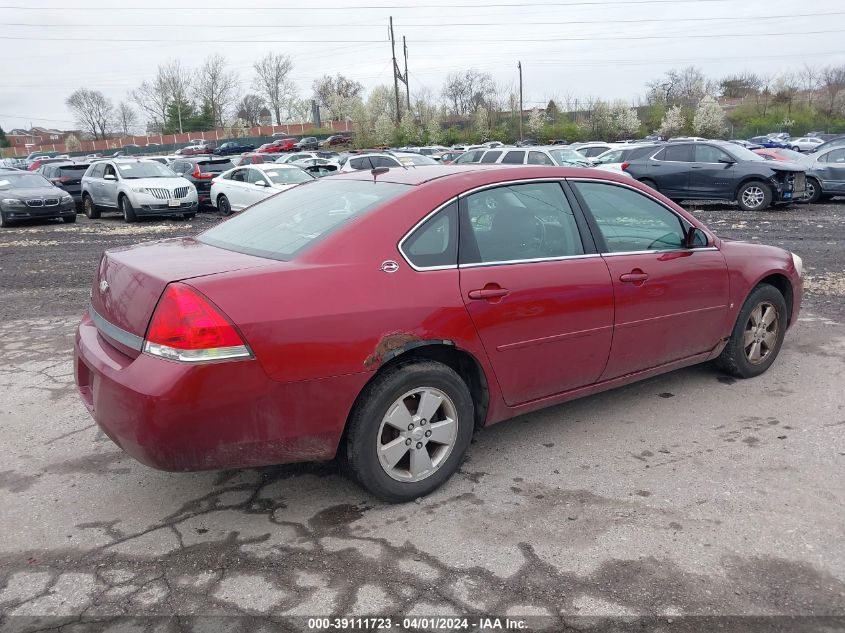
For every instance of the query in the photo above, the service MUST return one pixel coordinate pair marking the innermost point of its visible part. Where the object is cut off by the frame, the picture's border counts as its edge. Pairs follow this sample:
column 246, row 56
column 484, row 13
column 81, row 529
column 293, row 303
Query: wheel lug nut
column 422, row 422
column 411, row 426
column 428, row 433
column 408, row 442
column 419, row 444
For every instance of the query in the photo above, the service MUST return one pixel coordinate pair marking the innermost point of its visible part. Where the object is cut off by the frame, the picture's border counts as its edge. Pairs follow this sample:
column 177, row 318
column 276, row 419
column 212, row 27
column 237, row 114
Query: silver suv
column 136, row 188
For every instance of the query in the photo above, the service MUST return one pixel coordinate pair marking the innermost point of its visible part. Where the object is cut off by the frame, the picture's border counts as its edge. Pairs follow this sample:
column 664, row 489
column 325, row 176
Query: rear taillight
column 625, row 166
column 201, row 176
column 188, row 327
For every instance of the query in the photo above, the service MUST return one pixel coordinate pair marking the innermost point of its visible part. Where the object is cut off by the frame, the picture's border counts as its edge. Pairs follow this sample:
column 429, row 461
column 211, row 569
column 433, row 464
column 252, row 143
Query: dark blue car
column 768, row 142
column 232, row 147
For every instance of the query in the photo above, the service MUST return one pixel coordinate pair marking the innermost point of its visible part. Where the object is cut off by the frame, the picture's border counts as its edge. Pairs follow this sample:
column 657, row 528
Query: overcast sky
column 602, row 48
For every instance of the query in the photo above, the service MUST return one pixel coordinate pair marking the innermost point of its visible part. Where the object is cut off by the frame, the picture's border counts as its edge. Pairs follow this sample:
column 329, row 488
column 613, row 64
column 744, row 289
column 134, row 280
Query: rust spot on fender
column 388, row 344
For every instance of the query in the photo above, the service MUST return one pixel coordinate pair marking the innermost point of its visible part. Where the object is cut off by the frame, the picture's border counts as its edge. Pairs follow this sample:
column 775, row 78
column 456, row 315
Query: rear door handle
column 633, row 277
column 488, row 293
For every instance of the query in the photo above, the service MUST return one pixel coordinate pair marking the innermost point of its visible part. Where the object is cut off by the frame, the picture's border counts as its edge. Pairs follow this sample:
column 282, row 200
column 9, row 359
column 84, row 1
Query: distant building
column 19, row 137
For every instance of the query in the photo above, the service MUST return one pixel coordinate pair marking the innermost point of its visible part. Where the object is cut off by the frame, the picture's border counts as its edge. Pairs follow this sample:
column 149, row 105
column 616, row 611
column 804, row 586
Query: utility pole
column 519, row 65
column 397, row 74
column 395, row 71
column 407, row 83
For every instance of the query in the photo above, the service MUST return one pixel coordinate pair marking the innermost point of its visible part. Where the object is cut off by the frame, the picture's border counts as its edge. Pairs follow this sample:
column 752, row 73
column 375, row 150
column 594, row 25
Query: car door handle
column 636, row 276
column 695, row 166
column 490, row 291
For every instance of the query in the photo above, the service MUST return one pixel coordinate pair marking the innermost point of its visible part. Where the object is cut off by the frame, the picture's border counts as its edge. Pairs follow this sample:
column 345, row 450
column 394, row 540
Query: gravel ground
column 690, row 494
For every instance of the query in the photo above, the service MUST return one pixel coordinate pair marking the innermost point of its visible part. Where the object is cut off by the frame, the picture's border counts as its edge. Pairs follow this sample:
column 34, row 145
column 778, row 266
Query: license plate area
column 172, row 203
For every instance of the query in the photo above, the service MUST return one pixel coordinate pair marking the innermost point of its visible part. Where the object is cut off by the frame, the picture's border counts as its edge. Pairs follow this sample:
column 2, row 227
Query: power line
column 588, row 38
column 438, row 25
column 365, row 7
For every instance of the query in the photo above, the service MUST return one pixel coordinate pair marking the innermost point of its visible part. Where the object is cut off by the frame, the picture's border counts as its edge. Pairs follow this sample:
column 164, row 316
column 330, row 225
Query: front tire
column 4, row 223
column 90, row 209
column 127, row 210
column 754, row 196
column 223, row 205
column 814, row 190
column 757, row 335
column 409, row 430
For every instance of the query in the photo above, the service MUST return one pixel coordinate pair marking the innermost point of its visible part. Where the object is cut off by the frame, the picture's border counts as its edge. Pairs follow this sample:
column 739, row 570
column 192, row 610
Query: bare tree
column 337, row 94
column 249, row 109
column 92, row 110
column 153, row 97
column 809, row 77
column 125, row 118
column 832, row 82
column 684, row 87
column 217, row 87
column 177, row 80
column 272, row 80
column 467, row 91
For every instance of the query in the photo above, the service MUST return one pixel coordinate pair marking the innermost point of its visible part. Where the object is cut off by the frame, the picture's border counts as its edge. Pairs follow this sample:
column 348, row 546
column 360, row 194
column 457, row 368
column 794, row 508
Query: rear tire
column 89, row 208
column 389, row 414
column 223, row 205
column 649, row 183
column 757, row 335
column 814, row 190
column 754, row 196
column 127, row 210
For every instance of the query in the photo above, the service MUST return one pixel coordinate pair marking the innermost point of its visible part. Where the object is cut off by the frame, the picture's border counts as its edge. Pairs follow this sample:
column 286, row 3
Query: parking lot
column 687, row 494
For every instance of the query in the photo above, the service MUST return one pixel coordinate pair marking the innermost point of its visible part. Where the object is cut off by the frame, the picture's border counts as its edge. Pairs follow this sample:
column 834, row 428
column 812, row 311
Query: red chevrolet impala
column 382, row 316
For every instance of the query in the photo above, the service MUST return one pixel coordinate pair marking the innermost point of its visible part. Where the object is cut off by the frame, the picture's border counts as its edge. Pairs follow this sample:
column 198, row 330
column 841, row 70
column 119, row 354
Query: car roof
column 421, row 174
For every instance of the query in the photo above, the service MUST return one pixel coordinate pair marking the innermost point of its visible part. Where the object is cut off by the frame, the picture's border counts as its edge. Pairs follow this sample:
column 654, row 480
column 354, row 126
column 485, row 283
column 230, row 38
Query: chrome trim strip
column 132, row 341
column 664, row 250
column 530, row 261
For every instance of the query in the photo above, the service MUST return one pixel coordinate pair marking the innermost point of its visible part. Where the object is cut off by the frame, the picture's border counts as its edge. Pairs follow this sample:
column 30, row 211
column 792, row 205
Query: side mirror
column 695, row 238
column 260, row 183
column 727, row 161
column 109, row 177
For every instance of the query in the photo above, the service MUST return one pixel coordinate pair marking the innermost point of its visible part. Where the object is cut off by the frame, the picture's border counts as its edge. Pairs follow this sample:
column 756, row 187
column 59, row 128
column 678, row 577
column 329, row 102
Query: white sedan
column 804, row 144
column 241, row 187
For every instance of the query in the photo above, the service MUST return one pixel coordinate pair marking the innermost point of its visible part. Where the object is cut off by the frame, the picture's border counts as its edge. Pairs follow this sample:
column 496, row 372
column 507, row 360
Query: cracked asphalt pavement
column 688, row 494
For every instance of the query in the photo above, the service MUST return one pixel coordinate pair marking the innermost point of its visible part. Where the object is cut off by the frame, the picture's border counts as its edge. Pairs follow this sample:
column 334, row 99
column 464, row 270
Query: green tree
column 4, row 142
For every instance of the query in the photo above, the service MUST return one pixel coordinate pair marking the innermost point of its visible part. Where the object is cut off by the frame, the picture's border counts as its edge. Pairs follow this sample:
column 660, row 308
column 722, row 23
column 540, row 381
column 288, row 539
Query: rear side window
column 680, row 153
column 360, row 163
column 384, row 161
column 435, row 243
column 514, row 158
column 490, row 157
column 630, row 221
column 97, row 171
column 73, row 170
column 284, row 225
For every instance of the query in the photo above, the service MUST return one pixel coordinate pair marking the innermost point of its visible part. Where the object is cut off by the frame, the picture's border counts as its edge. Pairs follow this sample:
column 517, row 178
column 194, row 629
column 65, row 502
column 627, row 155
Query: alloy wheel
column 417, row 434
column 753, row 197
column 761, row 333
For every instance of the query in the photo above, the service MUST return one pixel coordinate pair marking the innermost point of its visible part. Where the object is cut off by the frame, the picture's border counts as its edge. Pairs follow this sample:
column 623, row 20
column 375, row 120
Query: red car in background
column 350, row 317
column 278, row 146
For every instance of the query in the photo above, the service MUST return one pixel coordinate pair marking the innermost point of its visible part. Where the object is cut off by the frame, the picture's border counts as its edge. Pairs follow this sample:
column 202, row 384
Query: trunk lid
column 130, row 280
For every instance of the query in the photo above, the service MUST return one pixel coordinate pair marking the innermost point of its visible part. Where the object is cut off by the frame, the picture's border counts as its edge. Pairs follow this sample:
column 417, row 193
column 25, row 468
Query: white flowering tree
column 383, row 129
column 433, row 129
column 673, row 122
column 535, row 121
column 409, row 129
column 625, row 120
column 481, row 123
column 709, row 119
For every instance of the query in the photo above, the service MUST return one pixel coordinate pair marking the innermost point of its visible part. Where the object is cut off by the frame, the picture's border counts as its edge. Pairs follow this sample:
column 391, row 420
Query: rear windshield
column 286, row 224
column 74, row 168
column 215, row 167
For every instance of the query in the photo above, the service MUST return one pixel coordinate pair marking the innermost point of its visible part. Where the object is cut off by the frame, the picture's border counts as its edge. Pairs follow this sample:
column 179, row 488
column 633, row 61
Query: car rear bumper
column 184, row 417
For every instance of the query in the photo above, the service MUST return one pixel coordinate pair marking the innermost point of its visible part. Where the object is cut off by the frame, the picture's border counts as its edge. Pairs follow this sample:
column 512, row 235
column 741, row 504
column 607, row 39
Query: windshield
column 152, row 169
column 284, row 225
column 287, row 176
column 567, row 156
column 741, row 153
column 15, row 181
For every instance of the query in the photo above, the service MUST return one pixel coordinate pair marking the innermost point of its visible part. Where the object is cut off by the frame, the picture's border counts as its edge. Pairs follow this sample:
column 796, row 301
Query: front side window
column 255, row 177
column 435, row 243
column 539, row 158
column 490, row 157
column 360, row 163
column 709, row 154
column 518, row 222
column 630, row 221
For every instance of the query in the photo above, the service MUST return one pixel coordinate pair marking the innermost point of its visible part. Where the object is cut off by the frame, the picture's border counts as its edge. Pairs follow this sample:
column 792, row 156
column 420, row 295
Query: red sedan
column 278, row 146
column 381, row 317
